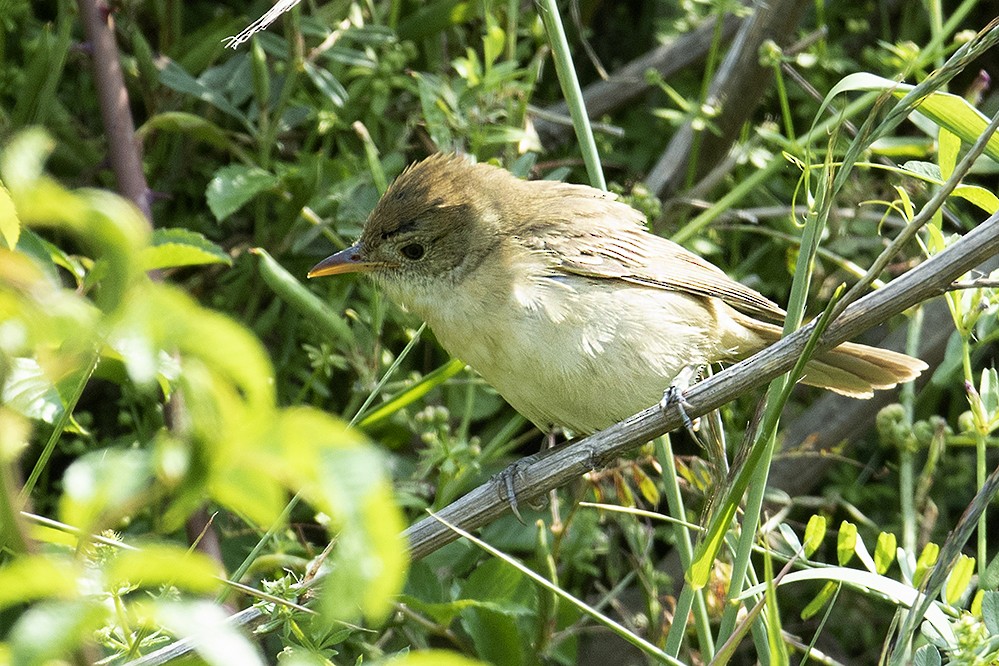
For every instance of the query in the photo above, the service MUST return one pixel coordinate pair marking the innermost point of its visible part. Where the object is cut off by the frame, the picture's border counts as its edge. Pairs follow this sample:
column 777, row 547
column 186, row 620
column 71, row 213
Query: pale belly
column 584, row 359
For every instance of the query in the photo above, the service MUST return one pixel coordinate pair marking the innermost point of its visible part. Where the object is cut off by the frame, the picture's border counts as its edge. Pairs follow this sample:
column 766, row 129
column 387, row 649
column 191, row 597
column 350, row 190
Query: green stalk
column 689, row 595
column 548, row 9
column 907, row 462
column 58, row 427
column 757, row 178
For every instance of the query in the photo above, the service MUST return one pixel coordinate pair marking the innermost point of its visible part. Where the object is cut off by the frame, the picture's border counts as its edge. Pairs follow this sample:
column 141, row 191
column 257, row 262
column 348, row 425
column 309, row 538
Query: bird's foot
column 675, row 396
column 506, row 481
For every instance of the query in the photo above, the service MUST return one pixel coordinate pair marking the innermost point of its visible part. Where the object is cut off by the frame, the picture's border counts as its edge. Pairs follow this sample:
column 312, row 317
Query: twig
column 543, row 472
column 551, row 469
column 628, row 82
column 126, row 162
column 736, row 89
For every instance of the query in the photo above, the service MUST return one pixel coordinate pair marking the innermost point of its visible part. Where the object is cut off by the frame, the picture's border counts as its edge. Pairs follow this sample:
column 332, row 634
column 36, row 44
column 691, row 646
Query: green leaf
column 10, row 225
column 497, row 637
column 927, row 559
column 171, row 248
column 34, row 577
column 815, row 533
column 52, row 632
column 173, row 76
column 884, row 552
column 23, row 161
column 192, row 125
column 990, row 577
column 981, row 197
column 346, row 478
column 160, row 317
column 946, row 110
column 903, row 595
column 249, row 491
column 927, row 655
column 100, row 487
column 163, row 564
column 235, row 185
column 215, row 638
column 846, row 542
column 988, row 391
column 949, row 146
column 959, row 579
column 429, row 658
column 327, row 84
column 990, row 611
column 413, row 393
column 820, row 600
column 330, row 324
column 30, row 392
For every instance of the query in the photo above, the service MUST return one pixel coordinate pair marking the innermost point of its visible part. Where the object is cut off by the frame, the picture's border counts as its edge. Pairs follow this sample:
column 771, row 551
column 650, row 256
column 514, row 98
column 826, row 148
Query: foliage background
column 262, row 160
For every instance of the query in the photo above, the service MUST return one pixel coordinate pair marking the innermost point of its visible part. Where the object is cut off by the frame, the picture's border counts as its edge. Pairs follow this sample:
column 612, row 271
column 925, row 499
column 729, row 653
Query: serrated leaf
column 172, row 248
column 234, row 186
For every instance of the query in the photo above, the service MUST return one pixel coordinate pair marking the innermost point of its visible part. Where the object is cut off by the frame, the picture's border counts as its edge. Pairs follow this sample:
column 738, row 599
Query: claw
column 505, row 486
column 674, row 396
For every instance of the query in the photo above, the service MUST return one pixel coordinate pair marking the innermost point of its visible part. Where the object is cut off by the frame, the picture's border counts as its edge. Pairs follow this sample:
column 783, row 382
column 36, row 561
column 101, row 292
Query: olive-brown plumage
column 558, row 296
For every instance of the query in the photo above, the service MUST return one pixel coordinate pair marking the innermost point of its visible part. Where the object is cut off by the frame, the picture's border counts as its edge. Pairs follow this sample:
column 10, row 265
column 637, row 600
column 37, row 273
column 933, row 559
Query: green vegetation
column 188, row 428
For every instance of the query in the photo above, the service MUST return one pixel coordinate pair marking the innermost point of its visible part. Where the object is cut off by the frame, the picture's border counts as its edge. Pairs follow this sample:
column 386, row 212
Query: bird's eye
column 412, row 251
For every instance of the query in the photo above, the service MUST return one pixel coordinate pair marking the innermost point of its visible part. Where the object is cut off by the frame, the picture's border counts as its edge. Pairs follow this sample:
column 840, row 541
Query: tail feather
column 850, row 369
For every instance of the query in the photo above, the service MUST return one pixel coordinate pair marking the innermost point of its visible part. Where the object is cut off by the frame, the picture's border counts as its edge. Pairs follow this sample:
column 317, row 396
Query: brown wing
column 615, row 245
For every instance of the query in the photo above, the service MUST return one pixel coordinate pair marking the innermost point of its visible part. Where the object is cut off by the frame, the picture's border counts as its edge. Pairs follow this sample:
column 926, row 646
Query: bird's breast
column 571, row 351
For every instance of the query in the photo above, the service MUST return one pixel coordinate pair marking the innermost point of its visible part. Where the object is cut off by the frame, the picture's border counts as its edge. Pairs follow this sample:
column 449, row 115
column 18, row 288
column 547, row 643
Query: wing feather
column 613, row 244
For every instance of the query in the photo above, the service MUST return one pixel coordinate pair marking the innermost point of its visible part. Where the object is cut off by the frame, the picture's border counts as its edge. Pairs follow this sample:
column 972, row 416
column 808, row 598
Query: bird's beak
column 350, row 260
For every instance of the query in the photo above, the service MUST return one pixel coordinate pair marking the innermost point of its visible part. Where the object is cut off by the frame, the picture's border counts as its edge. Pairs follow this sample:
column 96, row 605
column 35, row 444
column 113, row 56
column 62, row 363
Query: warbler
column 562, row 300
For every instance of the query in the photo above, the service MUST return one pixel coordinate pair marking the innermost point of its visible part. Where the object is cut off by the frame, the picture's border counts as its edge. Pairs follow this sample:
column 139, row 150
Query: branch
column 737, row 89
column 541, row 473
column 113, row 97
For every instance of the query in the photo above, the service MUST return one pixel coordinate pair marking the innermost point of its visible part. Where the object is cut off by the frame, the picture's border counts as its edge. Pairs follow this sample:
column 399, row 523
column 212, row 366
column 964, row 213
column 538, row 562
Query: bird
column 563, row 301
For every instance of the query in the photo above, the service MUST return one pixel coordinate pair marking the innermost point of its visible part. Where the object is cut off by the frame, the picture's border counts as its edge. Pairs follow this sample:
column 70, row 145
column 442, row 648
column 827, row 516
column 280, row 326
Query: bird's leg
column 506, row 477
column 516, row 470
column 674, row 396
